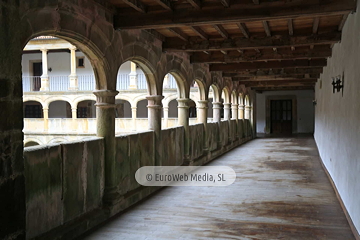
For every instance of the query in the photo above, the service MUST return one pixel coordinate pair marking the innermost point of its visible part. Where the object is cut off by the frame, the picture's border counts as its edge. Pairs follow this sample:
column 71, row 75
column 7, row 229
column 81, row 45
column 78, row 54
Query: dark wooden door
column 37, row 71
column 281, row 116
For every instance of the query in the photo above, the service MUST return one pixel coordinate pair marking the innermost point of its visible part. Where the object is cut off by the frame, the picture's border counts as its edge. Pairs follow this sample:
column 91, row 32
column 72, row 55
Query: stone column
column 133, row 77
column 133, row 116
column 166, row 83
column 73, row 77
column 183, row 120
column 241, row 111
column 202, row 118
column 154, row 113
column 234, row 109
column 217, row 106
column 227, row 107
column 105, row 114
column 166, row 116
column 74, row 117
column 44, row 77
column 247, row 112
column 46, row 119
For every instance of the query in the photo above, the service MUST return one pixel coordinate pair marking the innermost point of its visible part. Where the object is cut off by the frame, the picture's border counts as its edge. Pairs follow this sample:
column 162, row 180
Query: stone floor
column 281, row 192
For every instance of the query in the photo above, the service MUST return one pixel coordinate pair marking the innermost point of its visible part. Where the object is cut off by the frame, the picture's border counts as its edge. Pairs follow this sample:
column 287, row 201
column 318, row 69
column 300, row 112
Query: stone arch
column 38, row 141
column 183, row 88
column 33, row 99
column 61, row 110
column 77, row 100
column 123, row 108
column 140, row 54
column 247, row 100
column 34, row 111
column 226, row 94
column 57, row 98
column 168, row 99
column 94, row 37
column 57, row 140
column 138, row 99
column 234, row 98
column 216, row 92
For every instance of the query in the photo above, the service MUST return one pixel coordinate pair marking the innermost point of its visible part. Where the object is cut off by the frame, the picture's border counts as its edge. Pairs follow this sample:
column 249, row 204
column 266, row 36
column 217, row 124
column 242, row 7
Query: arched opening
column 54, row 64
column 32, row 109
column 141, row 109
column 31, row 144
column 59, row 109
column 123, row 109
column 173, row 105
column 86, row 109
column 225, row 99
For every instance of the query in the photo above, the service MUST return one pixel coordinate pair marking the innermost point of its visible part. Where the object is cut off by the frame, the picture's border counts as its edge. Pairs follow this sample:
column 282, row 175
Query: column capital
column 247, row 107
column 203, row 104
column 154, row 101
column 72, row 47
column 44, row 49
column 217, row 105
column 227, row 105
column 183, row 102
column 133, row 108
column 45, row 109
column 234, row 105
column 105, row 98
column 241, row 107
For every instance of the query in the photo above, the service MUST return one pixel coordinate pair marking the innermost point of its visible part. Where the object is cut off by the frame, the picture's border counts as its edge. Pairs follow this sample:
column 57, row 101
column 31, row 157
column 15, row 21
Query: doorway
column 281, row 116
column 37, row 72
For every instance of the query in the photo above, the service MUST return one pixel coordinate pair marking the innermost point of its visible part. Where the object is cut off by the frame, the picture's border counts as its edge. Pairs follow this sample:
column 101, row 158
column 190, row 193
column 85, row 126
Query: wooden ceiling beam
column 226, row 3
column 274, row 77
column 179, row 34
column 200, row 32
column 266, row 28
column 253, row 43
column 221, row 30
column 137, row 5
column 238, row 12
column 256, row 1
column 165, row 4
column 316, row 25
column 195, row 3
column 288, row 72
column 278, row 82
column 235, row 67
column 235, row 57
column 244, row 29
column 290, row 27
column 342, row 23
column 282, row 88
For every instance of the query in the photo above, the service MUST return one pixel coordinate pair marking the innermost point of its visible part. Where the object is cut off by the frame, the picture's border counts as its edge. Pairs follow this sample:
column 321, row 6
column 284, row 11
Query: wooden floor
column 281, row 192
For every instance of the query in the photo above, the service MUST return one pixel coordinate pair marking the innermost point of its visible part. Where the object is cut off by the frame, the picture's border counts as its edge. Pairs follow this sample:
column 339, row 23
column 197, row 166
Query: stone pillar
column 234, row 109
column 133, row 116
column 202, row 118
column 73, row 77
column 241, row 111
column 183, row 120
column 217, row 106
column 133, row 77
column 247, row 112
column 44, row 77
column 166, row 83
column 74, row 117
column 166, row 116
column 227, row 107
column 46, row 119
column 154, row 113
column 105, row 114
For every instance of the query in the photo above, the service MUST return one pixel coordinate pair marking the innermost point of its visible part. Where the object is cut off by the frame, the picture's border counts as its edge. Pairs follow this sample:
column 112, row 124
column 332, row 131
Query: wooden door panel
column 281, row 116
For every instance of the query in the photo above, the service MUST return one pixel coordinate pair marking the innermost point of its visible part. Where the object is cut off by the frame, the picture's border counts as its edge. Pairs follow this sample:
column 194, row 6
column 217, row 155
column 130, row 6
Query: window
column 80, row 62
column 33, row 111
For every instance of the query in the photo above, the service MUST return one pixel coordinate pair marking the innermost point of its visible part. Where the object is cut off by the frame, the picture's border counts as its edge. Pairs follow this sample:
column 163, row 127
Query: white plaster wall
column 337, row 118
column 305, row 109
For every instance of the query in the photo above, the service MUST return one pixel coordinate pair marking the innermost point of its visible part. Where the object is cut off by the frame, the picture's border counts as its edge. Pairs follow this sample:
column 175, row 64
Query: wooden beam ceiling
column 235, row 56
column 234, row 67
column 238, row 12
column 253, row 43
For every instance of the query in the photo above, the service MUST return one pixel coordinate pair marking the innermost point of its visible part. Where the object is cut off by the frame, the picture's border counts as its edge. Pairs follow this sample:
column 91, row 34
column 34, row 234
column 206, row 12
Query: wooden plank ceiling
column 265, row 44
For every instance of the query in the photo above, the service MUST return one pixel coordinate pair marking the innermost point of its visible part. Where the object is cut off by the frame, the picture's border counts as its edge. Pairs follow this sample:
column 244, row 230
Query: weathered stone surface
column 213, row 135
column 224, row 132
column 43, row 171
column 196, row 133
column 241, row 128
column 172, row 142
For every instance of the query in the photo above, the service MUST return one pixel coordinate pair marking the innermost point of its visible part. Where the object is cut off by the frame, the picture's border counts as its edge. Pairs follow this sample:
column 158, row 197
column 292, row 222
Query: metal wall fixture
column 338, row 83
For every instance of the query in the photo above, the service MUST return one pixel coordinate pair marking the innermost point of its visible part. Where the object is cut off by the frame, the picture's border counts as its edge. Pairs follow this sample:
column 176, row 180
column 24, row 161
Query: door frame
column 268, row 111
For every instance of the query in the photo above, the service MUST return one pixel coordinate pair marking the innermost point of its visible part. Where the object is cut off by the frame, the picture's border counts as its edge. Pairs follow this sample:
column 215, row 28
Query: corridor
column 281, row 192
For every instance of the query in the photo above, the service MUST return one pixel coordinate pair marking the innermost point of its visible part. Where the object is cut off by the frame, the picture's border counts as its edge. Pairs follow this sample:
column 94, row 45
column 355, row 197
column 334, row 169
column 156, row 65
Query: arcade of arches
column 263, row 68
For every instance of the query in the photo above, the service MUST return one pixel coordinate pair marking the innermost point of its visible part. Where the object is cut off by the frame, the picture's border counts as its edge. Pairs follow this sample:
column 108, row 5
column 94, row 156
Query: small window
column 80, row 62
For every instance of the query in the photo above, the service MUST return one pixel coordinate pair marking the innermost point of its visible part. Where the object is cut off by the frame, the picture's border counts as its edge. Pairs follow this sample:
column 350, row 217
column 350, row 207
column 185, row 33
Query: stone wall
column 63, row 182
column 337, row 117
